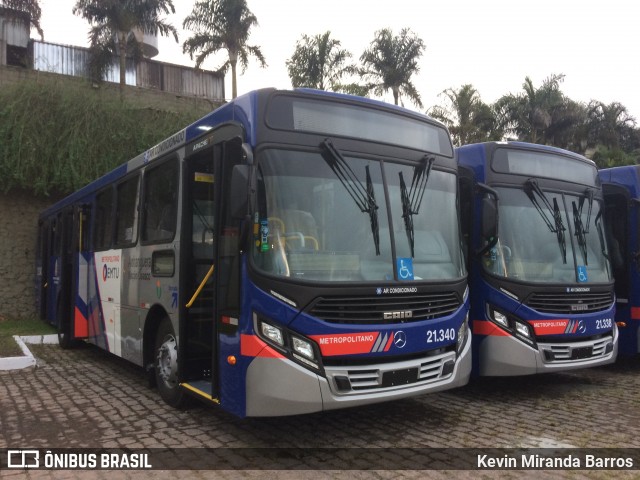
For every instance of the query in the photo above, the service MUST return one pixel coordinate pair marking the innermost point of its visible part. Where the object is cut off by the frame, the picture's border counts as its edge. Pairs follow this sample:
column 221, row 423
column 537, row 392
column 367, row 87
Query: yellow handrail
column 205, row 280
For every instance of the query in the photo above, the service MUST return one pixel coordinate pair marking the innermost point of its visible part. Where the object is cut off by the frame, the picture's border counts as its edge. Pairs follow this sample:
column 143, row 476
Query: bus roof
column 242, row 109
column 526, row 145
column 627, row 176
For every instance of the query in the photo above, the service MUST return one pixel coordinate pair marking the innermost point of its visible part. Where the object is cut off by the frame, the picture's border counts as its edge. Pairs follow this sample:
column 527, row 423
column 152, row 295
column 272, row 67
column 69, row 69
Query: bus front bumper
column 508, row 356
column 278, row 386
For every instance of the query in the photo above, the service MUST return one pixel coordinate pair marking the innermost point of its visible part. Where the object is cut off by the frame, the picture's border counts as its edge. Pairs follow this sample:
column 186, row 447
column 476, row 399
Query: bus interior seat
column 298, row 227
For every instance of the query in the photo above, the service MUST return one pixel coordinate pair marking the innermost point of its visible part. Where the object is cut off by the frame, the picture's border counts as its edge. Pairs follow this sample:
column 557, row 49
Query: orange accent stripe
column 80, row 325
column 635, row 313
column 252, row 346
column 487, row 328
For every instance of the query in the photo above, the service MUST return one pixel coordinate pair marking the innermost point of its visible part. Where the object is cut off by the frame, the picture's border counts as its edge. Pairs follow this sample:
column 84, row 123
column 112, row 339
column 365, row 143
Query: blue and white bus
column 290, row 252
column 621, row 187
column 542, row 294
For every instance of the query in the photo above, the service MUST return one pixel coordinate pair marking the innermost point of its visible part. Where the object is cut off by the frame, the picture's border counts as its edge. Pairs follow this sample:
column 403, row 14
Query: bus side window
column 103, row 220
column 127, row 212
column 616, row 232
column 160, row 203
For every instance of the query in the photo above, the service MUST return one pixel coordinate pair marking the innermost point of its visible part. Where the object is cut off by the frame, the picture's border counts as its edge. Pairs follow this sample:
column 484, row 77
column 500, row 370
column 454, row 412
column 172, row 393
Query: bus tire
column 166, row 365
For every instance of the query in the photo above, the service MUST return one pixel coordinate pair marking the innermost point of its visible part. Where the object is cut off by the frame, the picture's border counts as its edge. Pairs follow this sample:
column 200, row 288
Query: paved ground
column 87, row 398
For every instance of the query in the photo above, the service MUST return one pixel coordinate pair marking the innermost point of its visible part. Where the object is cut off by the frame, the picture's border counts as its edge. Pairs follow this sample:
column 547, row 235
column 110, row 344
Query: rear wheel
column 166, row 365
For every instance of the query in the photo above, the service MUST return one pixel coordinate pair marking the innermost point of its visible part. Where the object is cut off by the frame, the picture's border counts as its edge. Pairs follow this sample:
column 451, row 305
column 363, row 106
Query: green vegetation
column 320, row 62
column 390, row 62
column 112, row 24
column 27, row 326
column 222, row 25
column 57, row 136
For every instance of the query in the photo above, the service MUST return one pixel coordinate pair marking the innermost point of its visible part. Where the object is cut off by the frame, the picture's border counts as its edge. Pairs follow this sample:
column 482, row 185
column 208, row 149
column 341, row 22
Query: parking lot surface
column 86, row 398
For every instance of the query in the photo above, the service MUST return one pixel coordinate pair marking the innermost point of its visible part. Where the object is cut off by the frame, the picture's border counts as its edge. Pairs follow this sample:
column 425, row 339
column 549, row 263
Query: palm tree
column 222, row 24
column 113, row 22
column 530, row 114
column 569, row 126
column 30, row 7
column 609, row 124
column 319, row 62
column 468, row 118
column 391, row 61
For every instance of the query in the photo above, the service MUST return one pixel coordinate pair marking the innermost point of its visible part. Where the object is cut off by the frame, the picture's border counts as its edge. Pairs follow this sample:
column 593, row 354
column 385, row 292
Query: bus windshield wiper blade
column 581, row 231
column 363, row 196
column 372, row 209
column 531, row 189
column 412, row 199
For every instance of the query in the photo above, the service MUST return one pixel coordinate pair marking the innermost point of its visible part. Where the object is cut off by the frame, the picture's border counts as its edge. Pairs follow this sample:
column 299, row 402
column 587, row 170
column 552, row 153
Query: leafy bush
column 56, row 136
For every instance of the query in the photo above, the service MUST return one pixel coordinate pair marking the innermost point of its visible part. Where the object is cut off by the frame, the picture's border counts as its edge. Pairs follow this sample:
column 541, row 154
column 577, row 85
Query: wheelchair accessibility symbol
column 405, row 268
column 582, row 274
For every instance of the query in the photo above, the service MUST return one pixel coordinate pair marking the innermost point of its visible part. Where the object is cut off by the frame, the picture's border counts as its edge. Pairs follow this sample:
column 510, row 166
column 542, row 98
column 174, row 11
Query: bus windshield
column 324, row 218
column 549, row 237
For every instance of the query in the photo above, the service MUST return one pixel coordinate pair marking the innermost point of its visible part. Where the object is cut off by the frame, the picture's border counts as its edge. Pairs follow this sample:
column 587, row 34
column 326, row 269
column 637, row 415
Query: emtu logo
column 110, row 272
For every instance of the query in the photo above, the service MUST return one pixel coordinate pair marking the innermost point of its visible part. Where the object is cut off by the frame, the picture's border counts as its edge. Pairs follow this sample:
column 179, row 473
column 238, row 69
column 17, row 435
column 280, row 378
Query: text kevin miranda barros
column 539, row 461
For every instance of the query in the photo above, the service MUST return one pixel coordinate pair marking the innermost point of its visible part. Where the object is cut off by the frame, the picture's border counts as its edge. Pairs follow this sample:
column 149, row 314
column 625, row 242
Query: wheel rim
column 167, row 361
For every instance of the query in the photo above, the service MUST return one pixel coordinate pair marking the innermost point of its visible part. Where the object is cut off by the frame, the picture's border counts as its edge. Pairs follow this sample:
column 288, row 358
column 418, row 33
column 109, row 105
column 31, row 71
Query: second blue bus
column 542, row 291
column 621, row 186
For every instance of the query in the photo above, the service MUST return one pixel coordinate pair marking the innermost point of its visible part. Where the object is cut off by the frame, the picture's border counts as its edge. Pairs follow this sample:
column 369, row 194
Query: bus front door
column 197, row 331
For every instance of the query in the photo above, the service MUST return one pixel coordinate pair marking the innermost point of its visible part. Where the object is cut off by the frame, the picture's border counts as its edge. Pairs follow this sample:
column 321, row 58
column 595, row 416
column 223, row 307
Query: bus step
column 202, row 388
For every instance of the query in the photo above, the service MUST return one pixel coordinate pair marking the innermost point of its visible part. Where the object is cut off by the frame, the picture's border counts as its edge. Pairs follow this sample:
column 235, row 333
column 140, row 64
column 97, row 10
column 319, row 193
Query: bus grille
column 570, row 303
column 372, row 379
column 385, row 309
column 578, row 351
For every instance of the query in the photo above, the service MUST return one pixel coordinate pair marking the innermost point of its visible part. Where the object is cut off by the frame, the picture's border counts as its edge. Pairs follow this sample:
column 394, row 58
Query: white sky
column 492, row 44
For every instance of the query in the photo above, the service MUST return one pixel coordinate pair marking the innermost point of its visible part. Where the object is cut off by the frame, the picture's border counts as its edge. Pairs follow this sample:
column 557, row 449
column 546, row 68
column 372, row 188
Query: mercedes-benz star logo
column 399, row 339
column 581, row 327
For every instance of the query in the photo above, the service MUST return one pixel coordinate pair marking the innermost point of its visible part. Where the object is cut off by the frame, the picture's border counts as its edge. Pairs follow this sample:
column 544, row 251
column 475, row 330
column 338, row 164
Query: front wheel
column 166, row 365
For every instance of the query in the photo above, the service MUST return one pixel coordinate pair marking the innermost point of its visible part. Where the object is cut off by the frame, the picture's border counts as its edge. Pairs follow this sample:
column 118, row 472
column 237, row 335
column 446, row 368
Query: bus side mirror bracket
column 489, row 217
column 247, row 154
column 241, row 189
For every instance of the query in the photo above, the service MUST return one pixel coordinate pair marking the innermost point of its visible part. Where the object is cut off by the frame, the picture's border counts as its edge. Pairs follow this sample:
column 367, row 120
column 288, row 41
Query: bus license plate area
column 403, row 376
column 581, row 352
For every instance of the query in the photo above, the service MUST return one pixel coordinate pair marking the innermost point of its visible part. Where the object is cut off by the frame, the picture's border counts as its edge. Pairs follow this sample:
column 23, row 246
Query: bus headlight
column 302, row 347
column 303, row 351
column 272, row 333
column 516, row 327
column 522, row 329
column 501, row 319
column 292, row 345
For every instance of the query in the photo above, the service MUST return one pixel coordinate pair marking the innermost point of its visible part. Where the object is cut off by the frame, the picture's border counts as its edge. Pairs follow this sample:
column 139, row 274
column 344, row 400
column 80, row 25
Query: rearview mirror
column 489, row 217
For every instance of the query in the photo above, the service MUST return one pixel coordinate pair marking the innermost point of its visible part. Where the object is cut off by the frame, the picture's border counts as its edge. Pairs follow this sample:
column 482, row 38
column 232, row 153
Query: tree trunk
column 122, row 47
column 234, row 81
column 233, row 60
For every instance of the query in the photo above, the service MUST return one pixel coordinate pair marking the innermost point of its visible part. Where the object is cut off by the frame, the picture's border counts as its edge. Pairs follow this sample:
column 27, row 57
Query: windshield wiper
column 581, row 231
column 412, row 199
column 363, row 196
column 531, row 189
